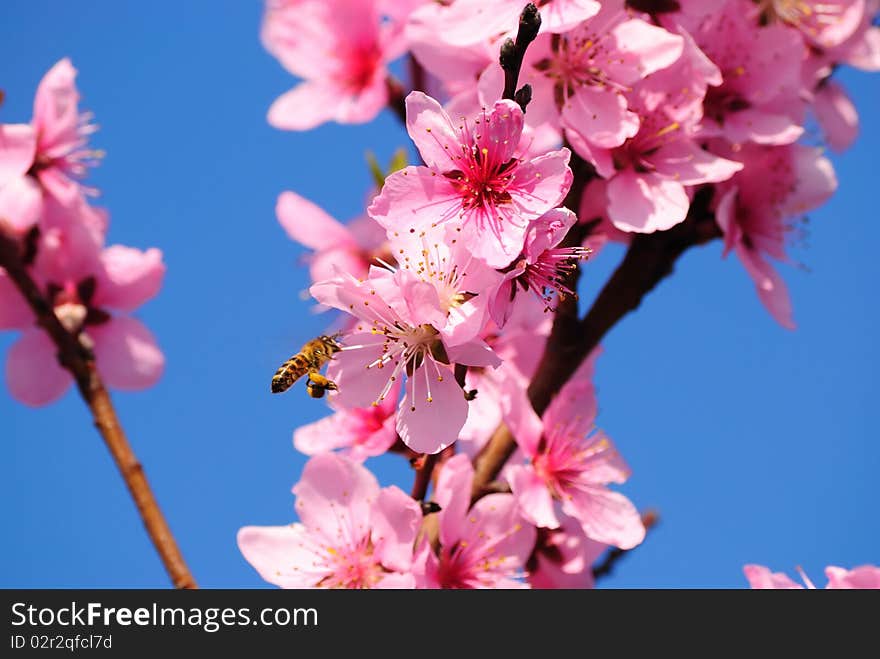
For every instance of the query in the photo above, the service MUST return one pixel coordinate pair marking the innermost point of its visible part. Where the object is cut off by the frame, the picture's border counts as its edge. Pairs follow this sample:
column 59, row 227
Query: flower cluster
column 631, row 118
column 91, row 287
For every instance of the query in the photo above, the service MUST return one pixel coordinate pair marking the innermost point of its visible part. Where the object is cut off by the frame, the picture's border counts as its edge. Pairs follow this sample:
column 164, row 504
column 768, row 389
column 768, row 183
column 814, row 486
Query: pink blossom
column 542, row 267
column 361, row 432
column 467, row 22
column 481, row 546
column 776, row 184
column 340, row 48
column 48, row 156
column 580, row 78
column 825, row 23
column 572, row 463
column 759, row 99
column 563, row 557
column 861, row 577
column 83, row 283
column 416, row 322
column 474, row 177
column 836, row 115
column 349, row 247
column 351, row 534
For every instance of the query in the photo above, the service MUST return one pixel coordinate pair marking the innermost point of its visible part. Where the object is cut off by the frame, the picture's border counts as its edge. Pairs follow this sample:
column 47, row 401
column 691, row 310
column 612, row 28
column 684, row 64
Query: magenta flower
column 481, row 546
column 759, row 99
column 416, row 322
column 571, row 463
column 776, row 184
column 474, row 177
column 563, row 557
column 83, row 285
column 48, row 156
column 361, row 432
column 542, row 267
column 340, row 48
column 348, row 247
column 862, row 577
column 351, row 534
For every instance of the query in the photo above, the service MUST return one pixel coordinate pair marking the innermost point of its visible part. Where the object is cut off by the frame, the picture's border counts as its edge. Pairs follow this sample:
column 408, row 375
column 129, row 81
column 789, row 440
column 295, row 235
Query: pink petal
column 761, row 578
column 126, row 353
column 396, row 581
column 542, row 183
column 33, row 374
column 762, row 126
column 532, row 496
column 431, row 129
column 645, row 203
column 864, row 576
column 14, row 311
column 837, row 115
column 644, row 47
column 474, row 353
column 423, row 303
column 772, row 290
column 600, row 116
column 282, row 555
column 360, row 384
column 331, row 432
column 607, row 517
column 453, row 495
column 21, row 203
column 688, row 164
column 306, row 106
column 334, row 499
column 56, row 117
column 18, row 144
column 500, row 131
column 396, row 521
column 495, row 530
column 308, row 224
column 547, row 232
column 414, row 198
column 433, row 410
column 129, row 277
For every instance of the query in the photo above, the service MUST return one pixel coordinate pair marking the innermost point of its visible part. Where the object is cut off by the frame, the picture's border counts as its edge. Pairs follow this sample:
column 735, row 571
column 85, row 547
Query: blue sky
column 754, row 443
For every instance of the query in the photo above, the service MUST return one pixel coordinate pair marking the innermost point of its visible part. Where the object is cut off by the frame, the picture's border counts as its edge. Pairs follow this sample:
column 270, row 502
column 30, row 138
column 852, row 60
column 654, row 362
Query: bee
column 308, row 361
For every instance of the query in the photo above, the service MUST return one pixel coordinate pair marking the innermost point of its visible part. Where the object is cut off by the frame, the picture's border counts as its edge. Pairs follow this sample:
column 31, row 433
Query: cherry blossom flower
column 571, row 463
column 542, row 267
column 776, row 184
column 351, row 534
column 416, row 322
column 340, row 48
column 474, row 177
column 825, row 23
column 83, row 283
column 361, row 432
column 349, row 247
column 481, row 546
column 49, row 156
column 563, row 557
column 862, row 577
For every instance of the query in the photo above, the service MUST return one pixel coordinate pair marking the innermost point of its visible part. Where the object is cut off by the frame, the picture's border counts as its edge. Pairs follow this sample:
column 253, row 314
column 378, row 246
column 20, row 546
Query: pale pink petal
column 423, row 303
column 532, row 496
column 863, row 576
column 56, row 117
column 57, row 184
column 308, row 224
column 570, row 563
column 453, row 495
column 396, row 581
column 395, row 522
column 607, row 517
column 433, row 410
column 816, row 180
column 327, row 262
column 772, row 290
column 474, row 353
column 327, row 434
column 542, row 183
column 282, row 555
column 413, row 199
column 547, row 232
column 379, row 441
column 688, row 164
column 761, row 578
column 431, row 129
column 306, row 106
column 33, row 373
column 21, row 203
column 129, row 277
column 761, row 126
column 519, row 414
column 499, row 131
column 837, row 115
column 645, row 203
column 14, row 311
column 126, row 353
column 334, row 499
column 600, row 116
column 359, row 383
column 495, row 530
column 643, row 47
column 18, row 144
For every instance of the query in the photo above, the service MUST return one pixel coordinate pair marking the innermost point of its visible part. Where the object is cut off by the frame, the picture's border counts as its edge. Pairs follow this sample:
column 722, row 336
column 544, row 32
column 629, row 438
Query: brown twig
column 423, row 476
column 78, row 359
column 603, row 569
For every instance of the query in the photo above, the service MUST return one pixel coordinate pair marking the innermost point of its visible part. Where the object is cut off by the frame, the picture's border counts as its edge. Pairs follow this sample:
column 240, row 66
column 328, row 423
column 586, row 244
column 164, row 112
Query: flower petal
column 33, row 373
column 308, row 224
column 128, row 277
column 433, row 409
column 395, row 523
column 126, row 353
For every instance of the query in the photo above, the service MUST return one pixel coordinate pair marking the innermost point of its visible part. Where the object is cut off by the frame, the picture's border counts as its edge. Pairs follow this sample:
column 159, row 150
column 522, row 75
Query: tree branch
column 78, row 359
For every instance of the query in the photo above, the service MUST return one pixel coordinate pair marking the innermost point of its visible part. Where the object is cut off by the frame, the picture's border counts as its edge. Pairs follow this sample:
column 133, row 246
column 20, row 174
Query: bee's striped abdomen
column 289, row 372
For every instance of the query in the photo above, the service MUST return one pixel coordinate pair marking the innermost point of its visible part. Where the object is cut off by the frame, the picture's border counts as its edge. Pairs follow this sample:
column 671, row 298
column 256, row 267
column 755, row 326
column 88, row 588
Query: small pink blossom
column 47, row 157
column 861, row 577
column 481, row 546
column 349, row 247
column 340, row 48
column 83, row 283
column 571, row 463
column 475, row 179
column 351, row 534
column 361, row 432
column 753, row 208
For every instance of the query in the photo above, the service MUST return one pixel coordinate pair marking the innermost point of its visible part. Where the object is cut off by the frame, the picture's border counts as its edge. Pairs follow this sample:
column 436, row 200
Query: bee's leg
column 315, row 391
column 320, row 381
